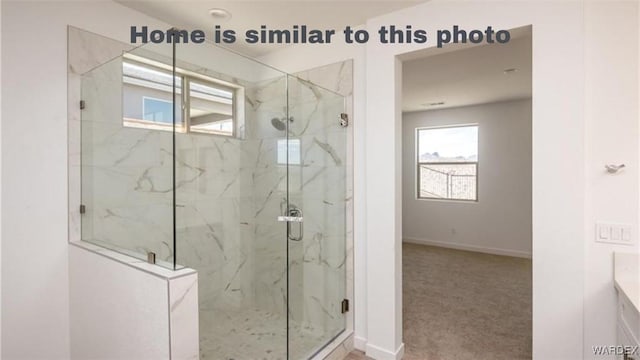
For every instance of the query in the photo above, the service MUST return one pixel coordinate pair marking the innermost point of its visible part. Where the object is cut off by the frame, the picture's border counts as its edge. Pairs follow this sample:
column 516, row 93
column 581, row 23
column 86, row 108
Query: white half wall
column 500, row 222
column 123, row 308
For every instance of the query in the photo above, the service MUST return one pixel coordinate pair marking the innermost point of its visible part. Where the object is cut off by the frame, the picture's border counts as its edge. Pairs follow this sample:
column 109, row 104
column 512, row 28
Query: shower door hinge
column 344, row 120
column 151, row 257
column 82, row 104
column 345, row 305
column 83, row 209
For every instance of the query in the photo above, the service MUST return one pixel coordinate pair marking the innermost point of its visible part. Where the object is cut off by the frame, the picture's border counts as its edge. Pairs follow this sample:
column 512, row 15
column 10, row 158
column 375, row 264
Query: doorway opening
column 467, row 200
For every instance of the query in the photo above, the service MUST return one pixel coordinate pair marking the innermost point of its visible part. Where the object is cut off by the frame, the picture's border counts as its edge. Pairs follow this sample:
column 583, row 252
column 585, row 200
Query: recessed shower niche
column 194, row 156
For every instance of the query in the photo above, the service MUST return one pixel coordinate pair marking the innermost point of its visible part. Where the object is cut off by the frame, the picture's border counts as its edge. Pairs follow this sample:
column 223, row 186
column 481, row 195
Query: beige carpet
column 464, row 305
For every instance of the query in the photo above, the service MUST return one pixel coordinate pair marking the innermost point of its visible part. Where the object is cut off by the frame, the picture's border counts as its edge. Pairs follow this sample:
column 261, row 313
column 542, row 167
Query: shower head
column 278, row 124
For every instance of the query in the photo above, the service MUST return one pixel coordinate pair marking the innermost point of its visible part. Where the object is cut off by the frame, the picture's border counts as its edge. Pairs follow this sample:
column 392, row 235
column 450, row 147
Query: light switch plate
column 614, row 233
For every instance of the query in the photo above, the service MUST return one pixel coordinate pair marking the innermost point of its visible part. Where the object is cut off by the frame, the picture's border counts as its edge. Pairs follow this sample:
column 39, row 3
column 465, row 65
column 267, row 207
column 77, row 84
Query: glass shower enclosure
column 195, row 156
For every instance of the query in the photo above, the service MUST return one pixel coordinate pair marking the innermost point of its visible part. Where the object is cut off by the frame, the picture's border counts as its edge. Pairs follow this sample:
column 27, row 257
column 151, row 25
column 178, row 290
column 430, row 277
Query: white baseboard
column 360, row 343
column 467, row 247
column 379, row 353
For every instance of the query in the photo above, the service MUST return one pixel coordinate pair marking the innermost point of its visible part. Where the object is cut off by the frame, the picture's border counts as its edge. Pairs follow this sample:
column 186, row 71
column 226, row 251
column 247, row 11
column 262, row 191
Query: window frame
column 186, row 104
column 186, row 76
column 421, row 163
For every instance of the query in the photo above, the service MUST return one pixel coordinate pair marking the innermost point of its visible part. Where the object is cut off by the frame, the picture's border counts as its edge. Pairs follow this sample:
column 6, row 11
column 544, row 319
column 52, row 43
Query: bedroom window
column 447, row 162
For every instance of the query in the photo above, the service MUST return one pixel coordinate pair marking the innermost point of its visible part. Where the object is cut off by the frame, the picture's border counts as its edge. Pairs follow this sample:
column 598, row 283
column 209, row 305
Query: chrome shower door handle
column 294, row 215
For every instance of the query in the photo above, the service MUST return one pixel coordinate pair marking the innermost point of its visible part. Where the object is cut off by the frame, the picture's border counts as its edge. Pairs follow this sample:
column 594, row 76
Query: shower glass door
column 230, row 190
column 316, row 231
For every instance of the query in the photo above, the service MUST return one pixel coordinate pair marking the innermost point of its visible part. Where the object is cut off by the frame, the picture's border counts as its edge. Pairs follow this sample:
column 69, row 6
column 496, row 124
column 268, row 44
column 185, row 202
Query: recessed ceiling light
column 510, row 71
column 220, row 14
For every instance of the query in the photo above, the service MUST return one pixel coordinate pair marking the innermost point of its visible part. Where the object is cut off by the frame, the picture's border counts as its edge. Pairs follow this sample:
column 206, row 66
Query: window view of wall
column 148, row 101
column 447, row 160
column 210, row 108
column 147, row 97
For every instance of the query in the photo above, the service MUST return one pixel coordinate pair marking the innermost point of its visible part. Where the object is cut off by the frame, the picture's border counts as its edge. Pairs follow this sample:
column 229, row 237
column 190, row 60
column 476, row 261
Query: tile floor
column 255, row 334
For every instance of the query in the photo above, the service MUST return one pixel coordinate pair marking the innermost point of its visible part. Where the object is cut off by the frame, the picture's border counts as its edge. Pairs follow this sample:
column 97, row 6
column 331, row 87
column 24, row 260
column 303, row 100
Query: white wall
column 35, row 285
column 0, row 181
column 611, row 135
column 500, row 222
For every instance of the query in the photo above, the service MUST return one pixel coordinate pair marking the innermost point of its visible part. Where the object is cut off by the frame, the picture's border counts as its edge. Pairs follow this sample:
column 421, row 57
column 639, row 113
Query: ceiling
column 468, row 75
column 246, row 15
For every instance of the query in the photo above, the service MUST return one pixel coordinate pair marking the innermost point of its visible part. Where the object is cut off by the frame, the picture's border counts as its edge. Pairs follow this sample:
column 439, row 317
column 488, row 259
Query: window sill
column 448, row 200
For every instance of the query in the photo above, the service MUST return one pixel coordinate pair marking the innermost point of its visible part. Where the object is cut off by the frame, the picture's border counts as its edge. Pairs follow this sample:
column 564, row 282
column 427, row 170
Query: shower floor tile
column 254, row 334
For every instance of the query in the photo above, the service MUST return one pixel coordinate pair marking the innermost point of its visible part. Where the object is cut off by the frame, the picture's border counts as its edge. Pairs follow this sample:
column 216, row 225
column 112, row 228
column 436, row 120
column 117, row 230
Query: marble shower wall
column 224, row 193
column 229, row 191
column 222, row 213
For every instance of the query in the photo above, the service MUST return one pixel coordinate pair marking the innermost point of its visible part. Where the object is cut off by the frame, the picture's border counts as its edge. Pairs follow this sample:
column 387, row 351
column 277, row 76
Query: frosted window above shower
column 210, row 104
